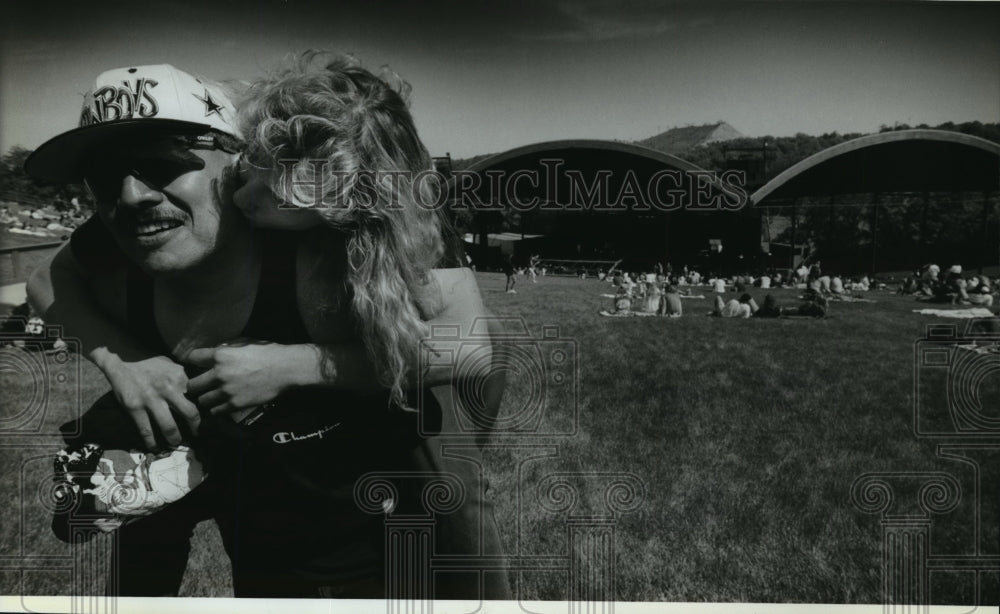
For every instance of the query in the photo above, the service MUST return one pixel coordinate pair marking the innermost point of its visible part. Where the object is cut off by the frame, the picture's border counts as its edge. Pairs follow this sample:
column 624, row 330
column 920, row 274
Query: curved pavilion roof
column 900, row 161
column 589, row 156
column 580, row 146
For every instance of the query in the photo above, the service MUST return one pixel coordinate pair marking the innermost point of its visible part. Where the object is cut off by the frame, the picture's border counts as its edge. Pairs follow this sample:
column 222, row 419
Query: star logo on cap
column 210, row 105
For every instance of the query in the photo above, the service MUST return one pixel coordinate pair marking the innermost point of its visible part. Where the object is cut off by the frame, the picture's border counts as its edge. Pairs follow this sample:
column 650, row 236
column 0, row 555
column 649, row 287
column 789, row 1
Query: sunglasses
column 156, row 163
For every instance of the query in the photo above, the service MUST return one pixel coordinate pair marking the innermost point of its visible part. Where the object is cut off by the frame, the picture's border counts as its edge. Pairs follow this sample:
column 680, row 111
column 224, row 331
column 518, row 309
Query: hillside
column 680, row 140
column 705, row 145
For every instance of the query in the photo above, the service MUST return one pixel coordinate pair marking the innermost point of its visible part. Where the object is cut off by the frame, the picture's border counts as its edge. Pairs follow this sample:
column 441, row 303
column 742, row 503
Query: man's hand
column 151, row 391
column 245, row 374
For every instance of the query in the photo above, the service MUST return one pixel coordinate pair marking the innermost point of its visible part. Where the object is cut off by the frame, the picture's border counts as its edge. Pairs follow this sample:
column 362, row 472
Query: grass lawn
column 743, row 437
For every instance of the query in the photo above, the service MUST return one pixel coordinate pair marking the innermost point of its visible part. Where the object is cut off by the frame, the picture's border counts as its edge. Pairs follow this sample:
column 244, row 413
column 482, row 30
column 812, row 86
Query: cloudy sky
column 488, row 76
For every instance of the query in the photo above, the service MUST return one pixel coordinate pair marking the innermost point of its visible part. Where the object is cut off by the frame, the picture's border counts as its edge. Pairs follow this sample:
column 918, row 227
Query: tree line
column 17, row 186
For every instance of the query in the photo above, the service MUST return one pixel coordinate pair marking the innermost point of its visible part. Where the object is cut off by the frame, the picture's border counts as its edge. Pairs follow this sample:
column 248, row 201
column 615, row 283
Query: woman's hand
column 246, row 373
column 151, row 391
column 259, row 204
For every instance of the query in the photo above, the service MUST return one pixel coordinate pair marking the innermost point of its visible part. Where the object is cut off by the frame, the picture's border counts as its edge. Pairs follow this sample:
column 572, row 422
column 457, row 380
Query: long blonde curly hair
column 334, row 135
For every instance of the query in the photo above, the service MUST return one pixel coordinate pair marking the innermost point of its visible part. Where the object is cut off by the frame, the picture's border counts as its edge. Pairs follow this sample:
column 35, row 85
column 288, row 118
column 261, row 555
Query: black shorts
column 305, row 499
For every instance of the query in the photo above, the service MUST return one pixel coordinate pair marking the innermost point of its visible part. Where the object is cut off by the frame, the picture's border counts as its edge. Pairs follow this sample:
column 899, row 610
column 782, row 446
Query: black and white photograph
column 567, row 305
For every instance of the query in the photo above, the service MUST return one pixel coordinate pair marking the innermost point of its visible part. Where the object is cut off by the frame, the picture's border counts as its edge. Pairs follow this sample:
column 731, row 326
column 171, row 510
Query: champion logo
column 291, row 436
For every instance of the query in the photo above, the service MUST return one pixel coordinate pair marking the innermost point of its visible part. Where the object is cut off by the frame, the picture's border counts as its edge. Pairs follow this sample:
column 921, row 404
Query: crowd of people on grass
column 952, row 287
column 43, row 222
column 660, row 292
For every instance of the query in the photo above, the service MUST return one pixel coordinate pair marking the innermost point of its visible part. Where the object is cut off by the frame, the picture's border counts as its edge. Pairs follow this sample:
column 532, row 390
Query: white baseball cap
column 158, row 97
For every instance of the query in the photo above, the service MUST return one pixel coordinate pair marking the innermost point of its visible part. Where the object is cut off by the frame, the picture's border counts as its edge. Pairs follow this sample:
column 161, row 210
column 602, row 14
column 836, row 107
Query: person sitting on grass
column 769, row 309
column 654, row 296
column 801, row 274
column 910, row 285
column 743, row 307
column 984, row 285
column 929, row 274
column 816, row 270
column 861, row 285
column 974, row 294
column 639, row 288
column 670, row 303
column 623, row 300
column 836, row 285
column 628, row 284
column 951, row 288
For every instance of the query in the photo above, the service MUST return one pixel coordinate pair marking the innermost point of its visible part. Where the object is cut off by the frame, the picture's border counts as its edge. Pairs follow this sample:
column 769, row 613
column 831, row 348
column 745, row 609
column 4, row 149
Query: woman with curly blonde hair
column 332, row 149
column 337, row 144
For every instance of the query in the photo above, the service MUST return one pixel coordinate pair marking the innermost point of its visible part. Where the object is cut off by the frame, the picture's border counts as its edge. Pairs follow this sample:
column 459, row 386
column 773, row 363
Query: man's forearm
column 349, row 366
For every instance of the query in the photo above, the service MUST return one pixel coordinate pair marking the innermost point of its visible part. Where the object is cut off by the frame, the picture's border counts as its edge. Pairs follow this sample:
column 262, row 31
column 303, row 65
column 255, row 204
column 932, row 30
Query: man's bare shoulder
column 444, row 287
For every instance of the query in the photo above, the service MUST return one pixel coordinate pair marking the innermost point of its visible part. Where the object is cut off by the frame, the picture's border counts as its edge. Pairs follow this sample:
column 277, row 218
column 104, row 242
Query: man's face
column 167, row 205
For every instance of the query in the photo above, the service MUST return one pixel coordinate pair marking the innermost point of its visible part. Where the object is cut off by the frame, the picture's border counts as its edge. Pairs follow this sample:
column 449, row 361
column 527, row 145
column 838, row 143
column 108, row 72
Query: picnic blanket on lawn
column 850, row 299
column 973, row 312
column 625, row 314
column 843, row 298
column 682, row 296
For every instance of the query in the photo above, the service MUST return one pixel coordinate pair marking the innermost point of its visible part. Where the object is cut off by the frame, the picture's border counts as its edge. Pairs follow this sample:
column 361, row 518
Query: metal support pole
column 874, row 267
column 923, row 229
column 794, row 230
column 666, row 240
column 986, row 233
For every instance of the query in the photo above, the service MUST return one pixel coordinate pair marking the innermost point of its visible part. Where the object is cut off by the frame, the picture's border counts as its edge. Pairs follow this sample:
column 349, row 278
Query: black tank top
column 275, row 316
column 302, row 422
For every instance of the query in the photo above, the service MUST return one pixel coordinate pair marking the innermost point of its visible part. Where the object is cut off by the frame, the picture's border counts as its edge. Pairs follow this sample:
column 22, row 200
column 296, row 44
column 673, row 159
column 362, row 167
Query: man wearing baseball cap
column 157, row 150
column 156, row 147
column 152, row 147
